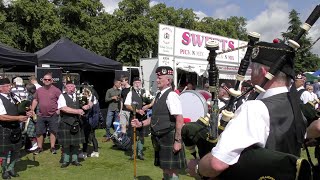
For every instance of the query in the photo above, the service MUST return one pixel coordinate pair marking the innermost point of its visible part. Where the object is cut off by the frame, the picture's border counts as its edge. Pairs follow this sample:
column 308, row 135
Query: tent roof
column 310, row 77
column 317, row 73
column 64, row 53
column 10, row 56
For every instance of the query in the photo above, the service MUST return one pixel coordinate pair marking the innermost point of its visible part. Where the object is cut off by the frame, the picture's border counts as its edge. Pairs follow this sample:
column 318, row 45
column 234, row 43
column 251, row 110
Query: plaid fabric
column 31, row 129
column 65, row 138
column 169, row 160
column 5, row 143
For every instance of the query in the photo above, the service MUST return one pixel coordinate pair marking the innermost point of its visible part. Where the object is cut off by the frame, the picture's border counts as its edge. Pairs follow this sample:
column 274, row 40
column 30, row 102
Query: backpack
column 94, row 115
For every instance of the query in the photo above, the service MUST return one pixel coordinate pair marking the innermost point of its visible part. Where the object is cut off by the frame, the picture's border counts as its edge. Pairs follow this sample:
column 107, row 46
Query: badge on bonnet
column 164, row 70
column 255, row 52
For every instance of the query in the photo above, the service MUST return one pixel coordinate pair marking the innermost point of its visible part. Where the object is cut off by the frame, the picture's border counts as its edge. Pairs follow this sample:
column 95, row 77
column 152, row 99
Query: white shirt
column 62, row 101
column 37, row 85
column 2, row 108
column 173, row 102
column 250, row 125
column 305, row 96
column 128, row 100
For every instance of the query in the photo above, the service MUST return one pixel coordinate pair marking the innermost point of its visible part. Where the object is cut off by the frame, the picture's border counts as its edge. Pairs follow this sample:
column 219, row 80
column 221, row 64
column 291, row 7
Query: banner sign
column 56, row 76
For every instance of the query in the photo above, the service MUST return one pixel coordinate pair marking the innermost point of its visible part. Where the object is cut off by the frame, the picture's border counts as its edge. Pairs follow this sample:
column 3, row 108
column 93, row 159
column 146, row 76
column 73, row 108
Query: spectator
column 302, row 93
column 19, row 89
column 33, row 80
column 47, row 99
column 125, row 112
column 31, row 129
column 113, row 97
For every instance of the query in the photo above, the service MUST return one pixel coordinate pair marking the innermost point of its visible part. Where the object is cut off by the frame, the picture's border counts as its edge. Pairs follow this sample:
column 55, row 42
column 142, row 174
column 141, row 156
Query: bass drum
column 194, row 104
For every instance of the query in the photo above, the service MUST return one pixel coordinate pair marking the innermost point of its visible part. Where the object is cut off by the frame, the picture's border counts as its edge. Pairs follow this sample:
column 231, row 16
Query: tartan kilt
column 169, row 160
column 31, row 129
column 5, row 144
column 65, row 138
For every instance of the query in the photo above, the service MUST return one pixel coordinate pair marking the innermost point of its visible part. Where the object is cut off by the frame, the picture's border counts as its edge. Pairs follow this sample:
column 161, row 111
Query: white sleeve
column 250, row 126
column 61, row 101
column 128, row 99
column 2, row 109
column 174, row 103
column 305, row 97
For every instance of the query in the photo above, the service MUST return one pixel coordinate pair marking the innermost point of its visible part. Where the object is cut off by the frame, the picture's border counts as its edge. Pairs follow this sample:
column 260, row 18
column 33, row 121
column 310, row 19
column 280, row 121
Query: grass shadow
column 144, row 178
column 25, row 164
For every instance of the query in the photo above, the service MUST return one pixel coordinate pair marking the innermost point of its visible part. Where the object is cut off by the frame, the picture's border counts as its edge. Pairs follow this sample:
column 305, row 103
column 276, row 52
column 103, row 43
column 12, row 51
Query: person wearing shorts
column 46, row 97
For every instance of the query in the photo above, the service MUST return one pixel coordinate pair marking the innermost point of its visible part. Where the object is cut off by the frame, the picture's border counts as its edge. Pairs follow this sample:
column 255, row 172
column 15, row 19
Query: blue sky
column 267, row 17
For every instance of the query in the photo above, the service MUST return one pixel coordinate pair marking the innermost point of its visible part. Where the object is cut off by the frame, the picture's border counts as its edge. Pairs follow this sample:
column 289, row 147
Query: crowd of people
column 70, row 120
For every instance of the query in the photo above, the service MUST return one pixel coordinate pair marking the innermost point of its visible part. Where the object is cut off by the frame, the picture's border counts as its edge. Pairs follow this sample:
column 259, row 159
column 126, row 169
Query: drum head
column 194, row 105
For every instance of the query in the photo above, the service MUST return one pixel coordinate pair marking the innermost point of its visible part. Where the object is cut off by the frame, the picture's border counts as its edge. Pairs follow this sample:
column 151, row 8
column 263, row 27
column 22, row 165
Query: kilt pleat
column 5, row 144
column 168, row 159
column 65, row 138
column 31, row 129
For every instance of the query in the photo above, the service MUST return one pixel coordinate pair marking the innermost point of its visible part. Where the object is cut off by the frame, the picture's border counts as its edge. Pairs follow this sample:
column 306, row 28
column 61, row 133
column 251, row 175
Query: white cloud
column 200, row 14
column 270, row 22
column 227, row 11
column 153, row 3
column 110, row 5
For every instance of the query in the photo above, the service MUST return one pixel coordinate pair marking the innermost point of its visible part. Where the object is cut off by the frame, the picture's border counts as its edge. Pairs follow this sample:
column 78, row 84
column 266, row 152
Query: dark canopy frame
column 70, row 56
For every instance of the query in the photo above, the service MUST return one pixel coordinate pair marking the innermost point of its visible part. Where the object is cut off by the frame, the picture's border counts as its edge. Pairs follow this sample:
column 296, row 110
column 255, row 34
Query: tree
column 305, row 60
column 135, row 34
column 33, row 24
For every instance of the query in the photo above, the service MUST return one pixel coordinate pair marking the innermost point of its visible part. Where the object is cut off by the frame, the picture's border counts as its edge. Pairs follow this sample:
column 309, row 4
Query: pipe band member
column 166, row 124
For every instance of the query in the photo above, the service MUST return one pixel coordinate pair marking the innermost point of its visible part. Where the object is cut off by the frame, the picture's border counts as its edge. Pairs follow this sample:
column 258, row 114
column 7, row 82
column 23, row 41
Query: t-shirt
column 47, row 100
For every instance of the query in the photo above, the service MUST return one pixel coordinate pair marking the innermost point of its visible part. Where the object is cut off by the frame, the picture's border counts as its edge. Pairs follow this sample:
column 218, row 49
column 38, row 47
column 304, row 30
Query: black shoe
column 38, row 151
column 140, row 156
column 64, row 165
column 53, row 150
column 6, row 175
column 13, row 173
column 76, row 163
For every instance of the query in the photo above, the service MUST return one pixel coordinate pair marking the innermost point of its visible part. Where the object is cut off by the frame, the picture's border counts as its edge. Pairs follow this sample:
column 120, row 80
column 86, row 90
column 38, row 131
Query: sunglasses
column 47, row 79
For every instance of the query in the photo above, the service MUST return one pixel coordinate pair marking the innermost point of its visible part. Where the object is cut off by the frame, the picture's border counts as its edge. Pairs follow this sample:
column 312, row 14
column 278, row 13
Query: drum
column 195, row 104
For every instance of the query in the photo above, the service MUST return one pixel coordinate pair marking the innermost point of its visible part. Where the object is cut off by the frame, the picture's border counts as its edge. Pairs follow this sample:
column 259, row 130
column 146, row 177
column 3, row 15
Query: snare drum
column 194, row 104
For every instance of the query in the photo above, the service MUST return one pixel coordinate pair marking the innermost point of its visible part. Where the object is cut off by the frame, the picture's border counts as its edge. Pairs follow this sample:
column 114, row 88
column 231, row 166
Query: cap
column 136, row 79
column 164, row 70
column 18, row 81
column 269, row 53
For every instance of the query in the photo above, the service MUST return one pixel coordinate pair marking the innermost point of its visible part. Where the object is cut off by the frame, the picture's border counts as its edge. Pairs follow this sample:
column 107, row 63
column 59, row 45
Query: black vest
column 161, row 118
column 137, row 98
column 66, row 117
column 12, row 109
column 124, row 94
column 282, row 136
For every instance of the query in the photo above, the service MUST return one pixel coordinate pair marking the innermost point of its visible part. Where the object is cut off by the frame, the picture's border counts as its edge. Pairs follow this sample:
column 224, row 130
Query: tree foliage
column 305, row 60
column 127, row 35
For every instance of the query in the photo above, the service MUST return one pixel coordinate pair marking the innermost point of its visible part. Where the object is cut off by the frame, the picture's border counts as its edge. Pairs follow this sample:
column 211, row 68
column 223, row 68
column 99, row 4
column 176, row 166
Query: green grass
column 112, row 164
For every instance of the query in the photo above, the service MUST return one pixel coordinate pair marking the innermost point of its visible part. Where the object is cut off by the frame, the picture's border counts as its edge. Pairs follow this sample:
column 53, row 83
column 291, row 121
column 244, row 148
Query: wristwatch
column 177, row 140
column 141, row 123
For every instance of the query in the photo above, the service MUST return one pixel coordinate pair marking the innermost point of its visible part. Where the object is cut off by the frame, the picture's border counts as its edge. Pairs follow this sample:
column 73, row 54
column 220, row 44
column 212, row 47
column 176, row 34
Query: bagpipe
column 23, row 107
column 254, row 162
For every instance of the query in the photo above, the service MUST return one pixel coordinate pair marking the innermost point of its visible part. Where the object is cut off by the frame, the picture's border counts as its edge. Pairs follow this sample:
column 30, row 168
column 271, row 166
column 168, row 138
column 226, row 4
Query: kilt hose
column 65, row 138
column 163, row 146
column 5, row 144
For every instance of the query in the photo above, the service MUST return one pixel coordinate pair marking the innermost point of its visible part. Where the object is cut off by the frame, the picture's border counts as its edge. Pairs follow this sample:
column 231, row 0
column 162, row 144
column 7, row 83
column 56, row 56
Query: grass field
column 112, row 164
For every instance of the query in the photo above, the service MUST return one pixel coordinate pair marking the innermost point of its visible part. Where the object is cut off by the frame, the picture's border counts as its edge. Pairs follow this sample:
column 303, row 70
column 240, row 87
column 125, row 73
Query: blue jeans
column 110, row 116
